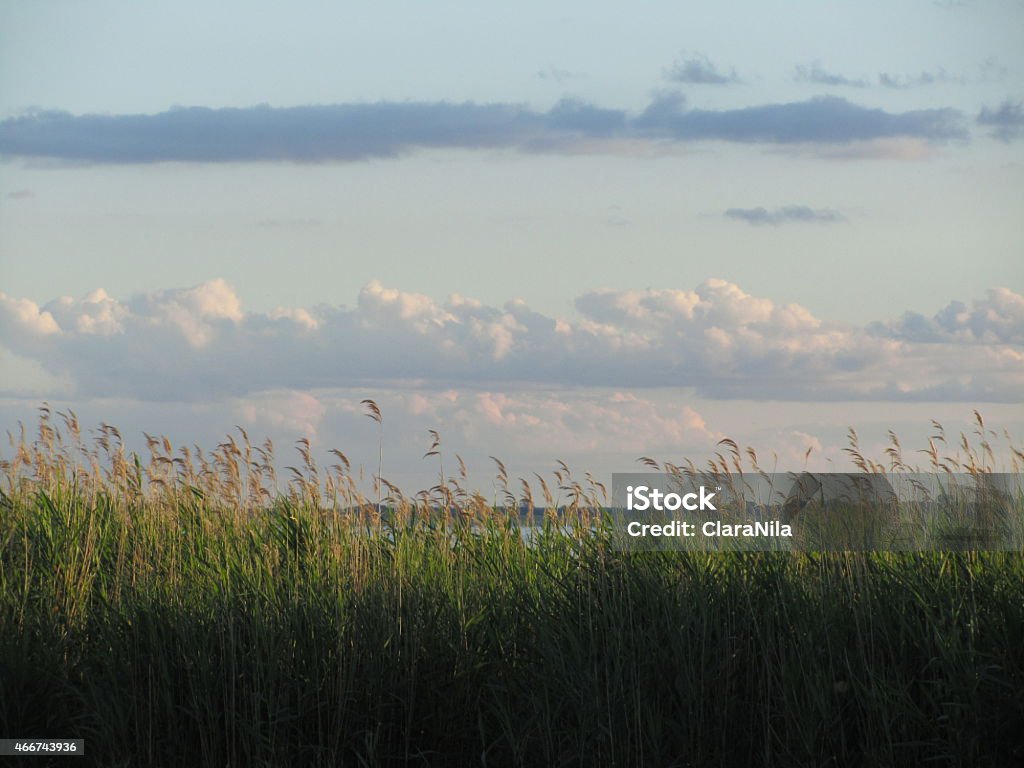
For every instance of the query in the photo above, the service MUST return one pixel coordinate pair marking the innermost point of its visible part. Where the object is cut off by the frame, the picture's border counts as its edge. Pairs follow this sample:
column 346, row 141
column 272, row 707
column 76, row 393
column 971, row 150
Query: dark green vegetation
column 167, row 627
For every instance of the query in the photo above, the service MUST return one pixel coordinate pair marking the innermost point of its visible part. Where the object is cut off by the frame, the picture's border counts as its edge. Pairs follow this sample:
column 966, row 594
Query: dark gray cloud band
column 351, row 132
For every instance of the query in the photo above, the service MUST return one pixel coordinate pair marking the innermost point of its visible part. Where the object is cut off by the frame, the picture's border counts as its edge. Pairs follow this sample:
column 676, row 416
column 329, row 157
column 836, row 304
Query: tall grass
column 179, row 612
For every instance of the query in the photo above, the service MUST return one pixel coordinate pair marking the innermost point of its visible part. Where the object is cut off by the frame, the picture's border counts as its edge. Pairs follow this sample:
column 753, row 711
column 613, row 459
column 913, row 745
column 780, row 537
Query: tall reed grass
column 179, row 610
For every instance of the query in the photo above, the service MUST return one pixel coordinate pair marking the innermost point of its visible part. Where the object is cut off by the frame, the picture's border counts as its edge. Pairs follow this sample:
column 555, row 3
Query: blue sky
column 522, row 224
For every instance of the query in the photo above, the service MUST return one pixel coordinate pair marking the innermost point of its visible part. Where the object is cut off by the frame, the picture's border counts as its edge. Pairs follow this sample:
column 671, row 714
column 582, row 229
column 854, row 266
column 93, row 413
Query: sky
column 580, row 230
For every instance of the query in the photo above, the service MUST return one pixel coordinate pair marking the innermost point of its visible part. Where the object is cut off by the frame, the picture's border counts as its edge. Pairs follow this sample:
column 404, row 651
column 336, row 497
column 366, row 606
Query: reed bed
column 181, row 609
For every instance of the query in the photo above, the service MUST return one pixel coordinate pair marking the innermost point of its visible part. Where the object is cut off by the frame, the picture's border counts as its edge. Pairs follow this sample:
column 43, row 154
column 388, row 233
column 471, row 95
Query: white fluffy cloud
column 24, row 316
column 722, row 342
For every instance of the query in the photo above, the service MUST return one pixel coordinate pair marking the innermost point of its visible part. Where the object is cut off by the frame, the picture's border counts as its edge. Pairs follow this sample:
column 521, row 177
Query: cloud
column 905, row 149
column 785, row 215
column 1006, row 120
column 21, row 194
column 813, row 73
column 352, row 132
column 991, row 70
column 996, row 319
column 298, row 134
column 199, row 343
column 558, row 75
column 888, row 80
column 567, row 423
column 698, row 70
column 821, row 120
column 616, row 217
column 26, row 317
column 298, row 412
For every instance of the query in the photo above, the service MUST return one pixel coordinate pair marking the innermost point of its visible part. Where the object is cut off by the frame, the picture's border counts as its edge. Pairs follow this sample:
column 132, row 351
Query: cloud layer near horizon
column 199, row 343
column 350, row 132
